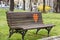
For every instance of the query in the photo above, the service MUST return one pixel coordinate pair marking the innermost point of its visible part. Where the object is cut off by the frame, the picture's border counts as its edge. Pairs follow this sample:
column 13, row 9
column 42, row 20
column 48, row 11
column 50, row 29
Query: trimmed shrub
column 40, row 8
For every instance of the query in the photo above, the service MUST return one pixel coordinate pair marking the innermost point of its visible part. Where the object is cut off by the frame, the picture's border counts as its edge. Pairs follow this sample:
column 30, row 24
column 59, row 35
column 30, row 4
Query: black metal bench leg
column 37, row 31
column 23, row 34
column 10, row 32
column 48, row 29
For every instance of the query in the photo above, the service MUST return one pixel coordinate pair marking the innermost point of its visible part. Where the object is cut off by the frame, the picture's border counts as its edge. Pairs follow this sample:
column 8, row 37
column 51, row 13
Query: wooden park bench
column 21, row 22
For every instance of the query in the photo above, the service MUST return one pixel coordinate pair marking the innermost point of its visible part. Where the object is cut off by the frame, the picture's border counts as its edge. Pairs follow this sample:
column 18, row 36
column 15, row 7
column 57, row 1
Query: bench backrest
column 17, row 18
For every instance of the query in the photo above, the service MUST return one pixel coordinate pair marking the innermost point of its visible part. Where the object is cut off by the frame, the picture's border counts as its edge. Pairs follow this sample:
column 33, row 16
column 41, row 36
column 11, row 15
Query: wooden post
column 11, row 5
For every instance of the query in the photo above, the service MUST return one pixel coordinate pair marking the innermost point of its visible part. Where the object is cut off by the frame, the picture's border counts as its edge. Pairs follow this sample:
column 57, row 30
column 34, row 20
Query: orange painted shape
column 35, row 17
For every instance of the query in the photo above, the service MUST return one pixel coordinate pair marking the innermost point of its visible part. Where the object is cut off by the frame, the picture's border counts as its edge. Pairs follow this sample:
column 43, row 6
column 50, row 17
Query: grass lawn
column 53, row 18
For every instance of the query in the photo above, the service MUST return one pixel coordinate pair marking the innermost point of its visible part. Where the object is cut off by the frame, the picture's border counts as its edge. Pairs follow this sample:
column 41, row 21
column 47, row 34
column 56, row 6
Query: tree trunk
column 44, row 6
column 11, row 5
column 30, row 6
column 23, row 4
column 57, row 8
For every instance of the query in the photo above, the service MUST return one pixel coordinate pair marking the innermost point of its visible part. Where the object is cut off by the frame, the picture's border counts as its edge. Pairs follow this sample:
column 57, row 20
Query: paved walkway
column 51, row 38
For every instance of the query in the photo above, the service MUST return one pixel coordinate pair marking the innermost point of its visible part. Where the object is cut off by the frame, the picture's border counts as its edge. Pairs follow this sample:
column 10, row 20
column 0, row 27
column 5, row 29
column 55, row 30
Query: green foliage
column 48, row 18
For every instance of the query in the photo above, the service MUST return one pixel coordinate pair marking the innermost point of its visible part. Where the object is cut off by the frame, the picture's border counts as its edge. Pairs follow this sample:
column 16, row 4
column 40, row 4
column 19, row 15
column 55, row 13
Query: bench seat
column 32, row 26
